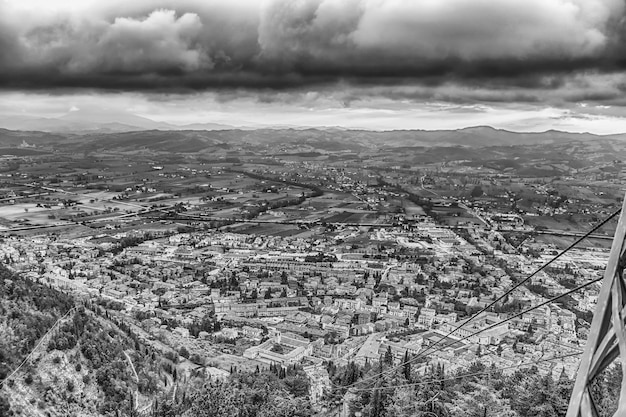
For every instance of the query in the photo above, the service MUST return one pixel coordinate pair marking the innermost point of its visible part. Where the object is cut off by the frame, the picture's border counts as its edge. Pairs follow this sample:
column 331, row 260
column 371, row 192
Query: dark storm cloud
column 193, row 45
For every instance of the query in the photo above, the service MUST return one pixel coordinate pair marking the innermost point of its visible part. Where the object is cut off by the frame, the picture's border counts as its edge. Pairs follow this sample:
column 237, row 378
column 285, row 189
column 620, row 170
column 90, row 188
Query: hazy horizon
column 86, row 124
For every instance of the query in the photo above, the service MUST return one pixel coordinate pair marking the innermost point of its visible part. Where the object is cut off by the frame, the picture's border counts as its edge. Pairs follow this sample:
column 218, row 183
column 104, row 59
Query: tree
column 479, row 402
column 184, row 352
column 250, row 394
column 388, row 356
column 377, row 406
column 165, row 409
column 476, row 192
column 5, row 406
column 402, row 404
column 284, row 406
column 297, row 385
column 28, row 379
column 407, row 366
column 217, row 399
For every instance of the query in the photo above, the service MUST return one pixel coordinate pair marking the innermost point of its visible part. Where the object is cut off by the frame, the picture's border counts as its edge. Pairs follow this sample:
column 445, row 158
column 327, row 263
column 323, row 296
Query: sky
column 522, row 65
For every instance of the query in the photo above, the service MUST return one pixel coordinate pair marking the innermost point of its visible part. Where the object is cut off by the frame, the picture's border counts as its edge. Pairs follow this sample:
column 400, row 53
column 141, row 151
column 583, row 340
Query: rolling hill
column 288, row 140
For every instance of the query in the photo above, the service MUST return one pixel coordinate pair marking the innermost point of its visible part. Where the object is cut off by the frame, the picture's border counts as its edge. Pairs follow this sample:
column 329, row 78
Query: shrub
column 172, row 356
column 184, row 352
column 195, row 358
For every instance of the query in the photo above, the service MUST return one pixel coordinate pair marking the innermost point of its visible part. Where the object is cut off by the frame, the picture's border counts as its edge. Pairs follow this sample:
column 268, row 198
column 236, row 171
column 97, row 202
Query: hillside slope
column 287, row 140
column 88, row 365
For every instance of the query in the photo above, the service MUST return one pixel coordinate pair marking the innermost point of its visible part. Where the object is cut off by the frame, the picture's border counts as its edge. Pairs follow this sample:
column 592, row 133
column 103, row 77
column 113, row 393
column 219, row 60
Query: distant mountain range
column 98, row 120
column 137, row 129
column 281, row 141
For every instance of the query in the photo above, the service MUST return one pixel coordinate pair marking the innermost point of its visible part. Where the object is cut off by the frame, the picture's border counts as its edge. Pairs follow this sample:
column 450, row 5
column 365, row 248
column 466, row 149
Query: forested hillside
column 27, row 311
column 476, row 391
column 275, row 392
column 83, row 368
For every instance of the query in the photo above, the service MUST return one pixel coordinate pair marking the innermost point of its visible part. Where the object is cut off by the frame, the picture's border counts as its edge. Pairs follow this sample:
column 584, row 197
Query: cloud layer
column 206, row 44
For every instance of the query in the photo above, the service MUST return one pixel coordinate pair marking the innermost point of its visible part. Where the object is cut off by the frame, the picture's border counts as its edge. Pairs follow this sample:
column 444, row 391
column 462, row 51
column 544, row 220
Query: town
column 257, row 257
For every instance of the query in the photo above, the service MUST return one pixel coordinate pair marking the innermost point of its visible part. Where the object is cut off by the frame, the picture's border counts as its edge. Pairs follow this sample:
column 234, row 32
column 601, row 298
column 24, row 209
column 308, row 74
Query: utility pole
column 607, row 335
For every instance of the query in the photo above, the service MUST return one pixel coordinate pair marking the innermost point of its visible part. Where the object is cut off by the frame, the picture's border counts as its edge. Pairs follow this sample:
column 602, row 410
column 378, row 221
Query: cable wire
column 41, row 340
column 519, row 365
column 427, row 350
column 519, row 284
